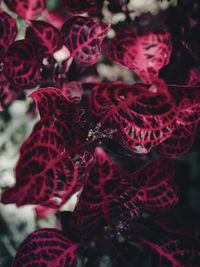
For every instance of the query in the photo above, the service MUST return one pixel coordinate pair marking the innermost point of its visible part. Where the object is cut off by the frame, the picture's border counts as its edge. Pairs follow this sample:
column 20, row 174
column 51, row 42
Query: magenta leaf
column 78, row 6
column 109, row 194
column 145, row 116
column 52, row 100
column 27, row 9
column 43, row 212
column 161, row 190
column 21, row 65
column 44, row 35
column 55, row 17
column 145, row 55
column 83, row 37
column 46, row 247
column 8, row 30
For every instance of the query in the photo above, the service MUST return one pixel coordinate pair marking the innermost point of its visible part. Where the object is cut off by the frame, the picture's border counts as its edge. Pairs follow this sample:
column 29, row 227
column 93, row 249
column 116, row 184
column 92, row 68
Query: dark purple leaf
column 145, row 116
column 83, row 37
column 21, row 65
column 109, row 195
column 8, row 30
column 27, row 9
column 46, row 247
column 78, row 6
column 44, row 35
column 145, row 55
column 161, row 190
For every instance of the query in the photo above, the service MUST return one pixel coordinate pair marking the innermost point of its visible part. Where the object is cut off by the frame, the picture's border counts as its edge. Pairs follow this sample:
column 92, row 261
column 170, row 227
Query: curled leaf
column 145, row 116
column 145, row 55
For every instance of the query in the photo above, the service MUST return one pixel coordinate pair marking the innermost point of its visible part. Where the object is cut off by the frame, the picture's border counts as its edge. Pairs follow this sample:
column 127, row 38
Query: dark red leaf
column 182, row 138
column 8, row 93
column 174, row 250
column 179, row 142
column 161, row 190
column 73, row 91
column 50, row 169
column 145, row 55
column 193, row 78
column 83, row 37
column 27, row 9
column 109, row 194
column 44, row 35
column 46, row 247
column 47, row 173
column 21, row 65
column 78, row 6
column 145, row 116
column 8, row 30
column 52, row 100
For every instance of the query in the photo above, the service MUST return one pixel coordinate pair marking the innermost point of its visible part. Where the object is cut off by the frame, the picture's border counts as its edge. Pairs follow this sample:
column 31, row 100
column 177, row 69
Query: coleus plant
column 83, row 128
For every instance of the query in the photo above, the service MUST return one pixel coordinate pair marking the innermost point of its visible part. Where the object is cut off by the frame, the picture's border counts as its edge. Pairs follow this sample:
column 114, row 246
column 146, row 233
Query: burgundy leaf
column 27, row 9
column 47, row 172
column 73, row 91
column 193, row 78
column 182, row 138
column 46, row 247
column 161, row 190
column 172, row 250
column 44, row 35
column 145, row 55
column 21, row 65
column 83, row 37
column 78, row 6
column 145, row 116
column 50, row 169
column 52, row 100
column 179, row 142
column 109, row 194
column 178, row 225
column 8, row 93
column 8, row 30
